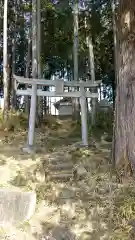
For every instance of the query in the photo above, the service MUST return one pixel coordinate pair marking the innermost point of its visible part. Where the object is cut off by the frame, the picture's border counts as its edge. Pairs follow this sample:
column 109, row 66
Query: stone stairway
column 59, row 168
column 60, row 165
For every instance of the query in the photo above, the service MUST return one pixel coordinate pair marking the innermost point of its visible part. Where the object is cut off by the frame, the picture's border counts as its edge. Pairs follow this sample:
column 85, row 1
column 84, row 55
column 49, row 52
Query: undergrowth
column 103, row 124
column 16, row 121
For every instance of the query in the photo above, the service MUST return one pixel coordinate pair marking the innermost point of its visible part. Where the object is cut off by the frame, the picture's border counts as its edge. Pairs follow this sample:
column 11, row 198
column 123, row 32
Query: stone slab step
column 60, row 177
column 56, row 171
column 16, row 206
column 60, row 166
column 55, row 161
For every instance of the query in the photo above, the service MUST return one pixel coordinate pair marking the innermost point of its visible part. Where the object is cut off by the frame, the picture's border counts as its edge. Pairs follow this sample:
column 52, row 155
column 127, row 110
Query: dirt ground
column 88, row 205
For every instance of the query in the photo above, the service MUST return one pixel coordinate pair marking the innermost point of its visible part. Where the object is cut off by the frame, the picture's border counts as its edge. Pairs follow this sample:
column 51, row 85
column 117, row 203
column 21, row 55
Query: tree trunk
column 13, row 97
column 92, row 70
column 27, row 74
column 13, row 93
column 91, row 65
column 32, row 117
column 115, row 36
column 124, row 135
column 5, row 63
column 40, row 99
column 9, row 74
column 76, row 110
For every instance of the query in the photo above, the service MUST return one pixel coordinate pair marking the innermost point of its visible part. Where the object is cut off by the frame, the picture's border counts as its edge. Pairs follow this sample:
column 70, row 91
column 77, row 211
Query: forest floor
column 90, row 205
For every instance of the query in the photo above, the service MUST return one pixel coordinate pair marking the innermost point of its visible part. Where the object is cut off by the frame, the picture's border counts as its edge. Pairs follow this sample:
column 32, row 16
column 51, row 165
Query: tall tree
column 32, row 118
column 40, row 99
column 124, row 137
column 5, row 62
column 76, row 39
column 28, row 60
column 14, row 97
column 76, row 111
column 89, row 42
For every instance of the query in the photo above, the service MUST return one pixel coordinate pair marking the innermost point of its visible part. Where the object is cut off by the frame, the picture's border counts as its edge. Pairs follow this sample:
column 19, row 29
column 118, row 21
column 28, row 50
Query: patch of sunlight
column 6, row 175
column 12, row 233
column 78, row 231
column 55, row 218
column 46, row 214
column 69, row 209
column 45, row 210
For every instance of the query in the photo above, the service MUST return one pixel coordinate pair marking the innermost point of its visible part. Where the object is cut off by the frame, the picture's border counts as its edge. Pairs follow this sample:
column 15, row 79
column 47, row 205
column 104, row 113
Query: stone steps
column 57, row 160
column 60, row 176
column 60, row 167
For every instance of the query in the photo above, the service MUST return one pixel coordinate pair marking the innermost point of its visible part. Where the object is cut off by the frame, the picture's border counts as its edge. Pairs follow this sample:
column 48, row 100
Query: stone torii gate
column 59, row 85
